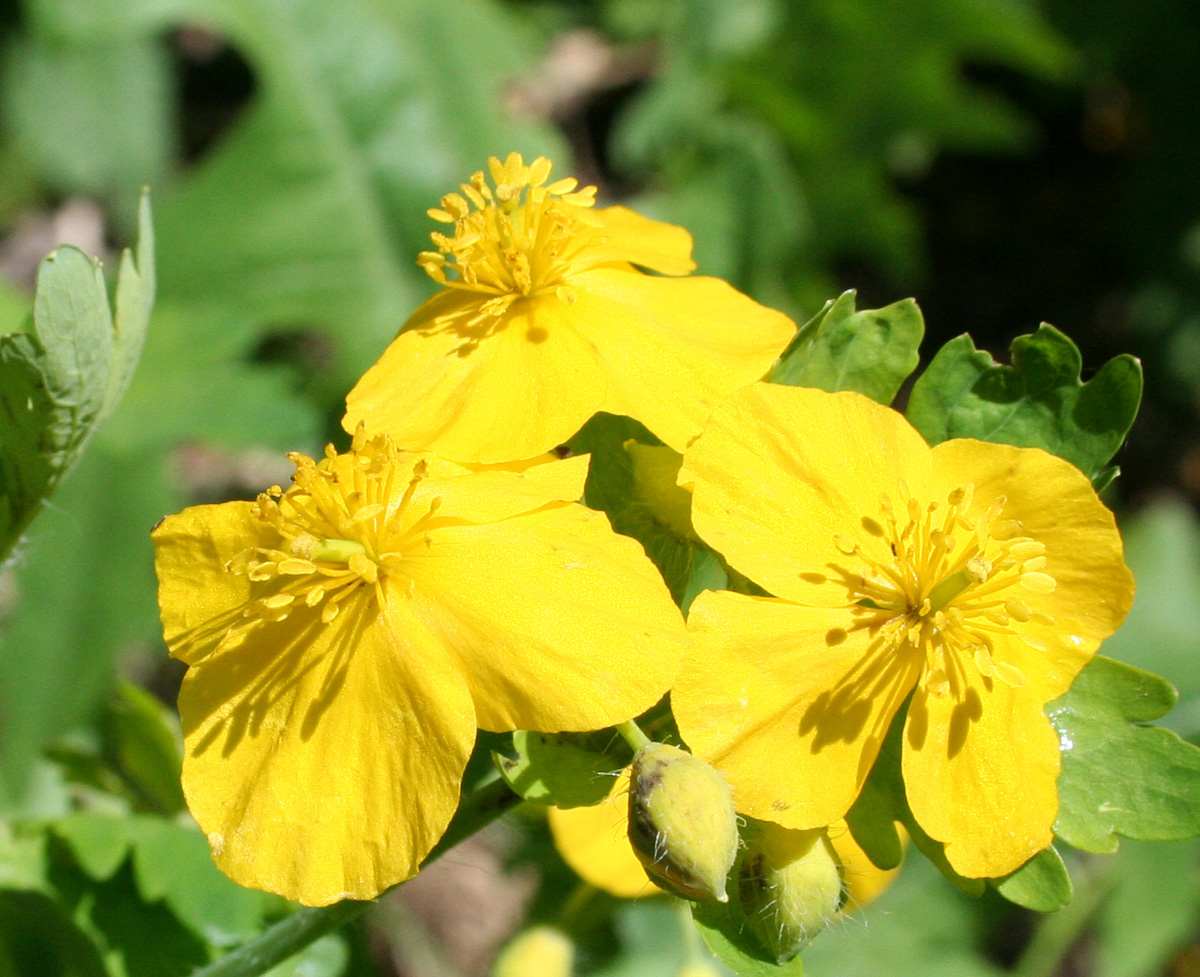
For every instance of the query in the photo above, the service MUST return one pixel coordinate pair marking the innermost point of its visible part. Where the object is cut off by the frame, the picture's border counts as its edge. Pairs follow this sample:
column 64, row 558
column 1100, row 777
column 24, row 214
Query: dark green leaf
column 563, row 769
column 1042, row 883
column 39, row 939
column 143, row 740
column 871, row 351
column 1038, row 402
column 1120, row 777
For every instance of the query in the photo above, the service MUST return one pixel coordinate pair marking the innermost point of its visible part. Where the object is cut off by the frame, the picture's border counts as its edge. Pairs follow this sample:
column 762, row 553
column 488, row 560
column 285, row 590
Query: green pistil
column 948, row 589
column 336, row 551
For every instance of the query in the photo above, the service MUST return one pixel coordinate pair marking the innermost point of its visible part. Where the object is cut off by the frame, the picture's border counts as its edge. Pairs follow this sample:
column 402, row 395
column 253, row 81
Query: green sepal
column 871, row 352
column 66, row 375
column 727, row 933
column 1120, row 777
column 1042, row 883
column 1038, row 402
column 563, row 769
column 631, row 478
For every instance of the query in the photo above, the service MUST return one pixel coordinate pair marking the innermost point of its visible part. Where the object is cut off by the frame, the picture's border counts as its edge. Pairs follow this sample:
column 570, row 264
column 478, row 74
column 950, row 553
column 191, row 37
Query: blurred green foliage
column 786, row 136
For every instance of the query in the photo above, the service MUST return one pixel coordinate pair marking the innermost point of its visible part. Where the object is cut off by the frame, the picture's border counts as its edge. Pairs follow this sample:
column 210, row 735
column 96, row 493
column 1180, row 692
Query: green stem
column 632, row 733
column 291, row 935
column 1059, row 932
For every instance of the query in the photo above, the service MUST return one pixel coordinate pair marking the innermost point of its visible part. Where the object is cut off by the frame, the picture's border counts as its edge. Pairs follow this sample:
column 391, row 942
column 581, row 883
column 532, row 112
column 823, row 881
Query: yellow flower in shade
column 543, row 321
column 346, row 637
column 594, row 841
column 976, row 578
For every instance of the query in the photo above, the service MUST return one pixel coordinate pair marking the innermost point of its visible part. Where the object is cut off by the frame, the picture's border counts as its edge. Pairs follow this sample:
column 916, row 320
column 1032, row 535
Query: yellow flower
column 346, row 637
column 543, row 321
column 978, row 578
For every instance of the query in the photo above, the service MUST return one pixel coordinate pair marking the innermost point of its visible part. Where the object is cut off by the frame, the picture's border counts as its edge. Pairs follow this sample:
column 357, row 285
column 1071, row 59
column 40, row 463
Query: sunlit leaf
column 1120, row 777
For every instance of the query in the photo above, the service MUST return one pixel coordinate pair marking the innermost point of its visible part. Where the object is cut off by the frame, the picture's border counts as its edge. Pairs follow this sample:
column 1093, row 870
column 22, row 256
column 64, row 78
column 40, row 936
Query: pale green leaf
column 1042, row 883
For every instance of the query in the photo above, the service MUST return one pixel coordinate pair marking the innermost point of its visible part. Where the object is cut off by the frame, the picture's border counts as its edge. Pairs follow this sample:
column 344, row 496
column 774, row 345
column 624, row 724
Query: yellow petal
column 493, row 495
column 673, row 348
column 787, row 703
column 324, row 762
column 980, row 775
column 594, row 841
column 1055, row 504
column 506, row 388
column 556, row 621
column 628, row 236
column 779, row 472
column 563, row 477
column 199, row 601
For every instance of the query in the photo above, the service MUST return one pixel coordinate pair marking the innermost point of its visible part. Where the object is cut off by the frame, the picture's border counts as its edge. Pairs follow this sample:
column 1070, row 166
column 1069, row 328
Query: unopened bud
column 540, row 951
column 681, row 822
column 698, row 968
column 790, row 886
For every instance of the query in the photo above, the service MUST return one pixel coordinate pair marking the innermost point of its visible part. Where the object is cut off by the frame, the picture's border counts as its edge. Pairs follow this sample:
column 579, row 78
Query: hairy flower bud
column 790, row 886
column 681, row 822
column 542, row 950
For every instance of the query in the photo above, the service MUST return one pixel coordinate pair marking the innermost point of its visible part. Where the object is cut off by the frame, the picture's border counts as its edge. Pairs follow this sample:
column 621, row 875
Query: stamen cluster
column 340, row 529
column 515, row 240
column 948, row 584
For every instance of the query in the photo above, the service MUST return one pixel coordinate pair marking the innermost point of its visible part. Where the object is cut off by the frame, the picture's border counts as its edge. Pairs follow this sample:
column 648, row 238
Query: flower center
column 340, row 530
column 518, row 239
column 950, row 581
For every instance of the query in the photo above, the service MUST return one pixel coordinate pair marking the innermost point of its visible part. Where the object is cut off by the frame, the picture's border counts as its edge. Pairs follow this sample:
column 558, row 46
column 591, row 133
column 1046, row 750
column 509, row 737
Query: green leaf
column 143, row 740
column 98, row 842
column 631, row 477
column 59, row 381
column 871, row 351
column 172, row 863
column 1120, row 777
column 1042, row 883
column 728, row 935
column 1038, row 402
column 563, row 769
column 327, row 957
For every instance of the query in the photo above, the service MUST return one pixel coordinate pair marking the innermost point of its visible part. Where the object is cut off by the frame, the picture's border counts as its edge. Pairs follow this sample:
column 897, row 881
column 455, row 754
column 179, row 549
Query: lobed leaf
column 1120, row 777
column 871, row 351
column 1038, row 402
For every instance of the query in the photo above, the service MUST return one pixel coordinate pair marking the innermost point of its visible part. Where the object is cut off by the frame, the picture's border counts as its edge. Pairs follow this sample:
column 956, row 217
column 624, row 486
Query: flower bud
column 790, row 886
column 681, row 822
column 542, row 950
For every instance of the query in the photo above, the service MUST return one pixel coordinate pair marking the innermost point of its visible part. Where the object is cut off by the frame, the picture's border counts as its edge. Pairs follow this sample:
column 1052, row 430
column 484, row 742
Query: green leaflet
column 563, row 769
column 1120, row 777
column 1038, row 402
column 871, row 351
column 1042, row 883
column 61, row 379
column 632, row 479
